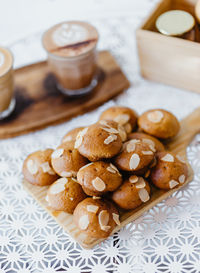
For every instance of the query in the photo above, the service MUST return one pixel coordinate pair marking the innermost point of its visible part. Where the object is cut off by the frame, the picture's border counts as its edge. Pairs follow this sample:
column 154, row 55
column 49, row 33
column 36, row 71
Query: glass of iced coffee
column 72, row 56
column 7, row 101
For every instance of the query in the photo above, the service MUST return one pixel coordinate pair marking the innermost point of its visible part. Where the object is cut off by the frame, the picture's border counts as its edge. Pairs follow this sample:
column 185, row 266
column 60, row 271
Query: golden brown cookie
column 71, row 135
column 125, row 116
column 169, row 172
column 135, row 156
column 65, row 194
column 148, row 139
column 132, row 193
column 96, row 218
column 66, row 161
column 99, row 141
column 159, row 123
column 99, row 177
column 37, row 168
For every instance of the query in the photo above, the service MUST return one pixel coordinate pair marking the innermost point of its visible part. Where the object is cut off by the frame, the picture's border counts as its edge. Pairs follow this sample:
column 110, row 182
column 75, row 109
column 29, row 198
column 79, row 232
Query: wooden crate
column 169, row 60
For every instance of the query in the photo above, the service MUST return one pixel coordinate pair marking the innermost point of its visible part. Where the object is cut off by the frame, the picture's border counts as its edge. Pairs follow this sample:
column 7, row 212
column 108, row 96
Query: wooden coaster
column 190, row 126
column 39, row 103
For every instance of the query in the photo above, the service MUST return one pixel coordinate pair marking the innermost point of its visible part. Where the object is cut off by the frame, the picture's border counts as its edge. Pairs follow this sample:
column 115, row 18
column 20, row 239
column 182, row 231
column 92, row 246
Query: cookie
column 65, row 194
column 132, row 193
column 96, row 218
column 99, row 177
column 66, row 161
column 169, row 172
column 71, row 135
column 159, row 123
column 125, row 116
column 99, row 141
column 148, row 139
column 135, row 156
column 37, row 168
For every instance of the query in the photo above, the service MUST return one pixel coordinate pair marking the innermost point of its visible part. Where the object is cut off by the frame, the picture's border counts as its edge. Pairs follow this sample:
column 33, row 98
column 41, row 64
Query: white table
column 167, row 238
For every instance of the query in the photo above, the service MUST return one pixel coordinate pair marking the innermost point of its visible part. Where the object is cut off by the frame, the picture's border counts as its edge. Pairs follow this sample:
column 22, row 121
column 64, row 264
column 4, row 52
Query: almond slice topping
column 96, row 197
column 32, row 166
column 128, row 128
column 104, row 122
column 181, row 178
column 57, row 153
column 79, row 138
column 180, row 158
column 147, row 152
column 47, row 169
column 85, row 166
column 122, row 133
column 155, row 116
column 144, row 195
column 148, row 141
column 92, row 208
column 172, row 184
column 111, row 130
column 130, row 147
column 66, row 174
column 105, row 228
column 134, row 161
column 110, row 139
column 140, row 184
column 122, row 119
column 98, row 184
column 83, row 222
column 103, row 218
column 168, row 158
column 116, row 218
column 133, row 178
column 58, row 186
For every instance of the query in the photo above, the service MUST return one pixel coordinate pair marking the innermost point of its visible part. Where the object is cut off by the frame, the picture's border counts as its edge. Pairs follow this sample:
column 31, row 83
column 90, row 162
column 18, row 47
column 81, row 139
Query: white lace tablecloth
column 165, row 239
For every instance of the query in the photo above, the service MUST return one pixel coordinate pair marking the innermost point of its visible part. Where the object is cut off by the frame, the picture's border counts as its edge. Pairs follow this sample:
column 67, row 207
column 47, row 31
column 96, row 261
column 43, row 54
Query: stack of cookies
column 101, row 170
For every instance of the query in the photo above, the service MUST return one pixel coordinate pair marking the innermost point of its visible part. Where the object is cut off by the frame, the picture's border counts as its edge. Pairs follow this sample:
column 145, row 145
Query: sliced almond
column 92, row 208
column 110, row 169
column 114, row 167
column 140, row 184
column 110, row 139
column 104, row 123
column 147, row 152
column 172, row 184
column 144, row 195
column 128, row 128
column 133, row 178
column 111, row 130
column 83, row 222
column 148, row 141
column 155, row 116
column 180, row 158
column 57, row 153
column 181, row 178
column 58, row 186
column 85, row 166
column 103, row 218
column 79, row 137
column 74, row 179
column 67, row 138
column 66, row 174
column 152, row 148
column 168, row 158
column 130, row 147
column 47, row 169
column 105, row 228
column 122, row 133
column 32, row 166
column 98, row 184
column 96, row 197
column 134, row 161
column 122, row 119
column 116, row 218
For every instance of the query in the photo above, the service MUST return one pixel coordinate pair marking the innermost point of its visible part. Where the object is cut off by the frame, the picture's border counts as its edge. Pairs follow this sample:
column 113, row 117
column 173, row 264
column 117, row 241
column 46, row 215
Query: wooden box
column 169, row 60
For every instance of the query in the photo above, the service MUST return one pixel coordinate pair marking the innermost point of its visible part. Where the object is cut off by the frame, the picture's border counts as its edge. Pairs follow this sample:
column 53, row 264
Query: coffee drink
column 71, row 48
column 6, row 83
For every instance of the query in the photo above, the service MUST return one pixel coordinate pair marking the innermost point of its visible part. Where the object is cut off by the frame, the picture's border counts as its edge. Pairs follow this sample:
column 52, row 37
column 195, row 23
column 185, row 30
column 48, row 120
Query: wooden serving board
column 190, row 126
column 39, row 103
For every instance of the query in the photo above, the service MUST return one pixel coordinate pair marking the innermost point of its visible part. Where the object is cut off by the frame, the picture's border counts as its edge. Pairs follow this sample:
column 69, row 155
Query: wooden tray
column 40, row 104
column 190, row 126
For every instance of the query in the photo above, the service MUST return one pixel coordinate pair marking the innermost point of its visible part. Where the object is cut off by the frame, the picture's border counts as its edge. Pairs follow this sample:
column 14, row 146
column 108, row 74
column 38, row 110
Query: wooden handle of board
column 190, row 126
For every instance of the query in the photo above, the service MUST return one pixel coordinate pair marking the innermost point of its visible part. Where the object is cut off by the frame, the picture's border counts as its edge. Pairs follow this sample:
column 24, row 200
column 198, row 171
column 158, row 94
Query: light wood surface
column 168, row 60
column 190, row 126
column 40, row 104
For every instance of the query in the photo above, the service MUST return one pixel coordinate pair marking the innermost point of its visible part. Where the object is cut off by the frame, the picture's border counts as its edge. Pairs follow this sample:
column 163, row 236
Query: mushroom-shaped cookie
column 169, row 171
column 135, row 156
column 99, row 177
column 99, row 141
column 132, row 193
column 65, row 194
column 159, row 123
column 148, row 139
column 37, row 168
column 71, row 135
column 125, row 116
column 96, row 218
column 67, row 161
